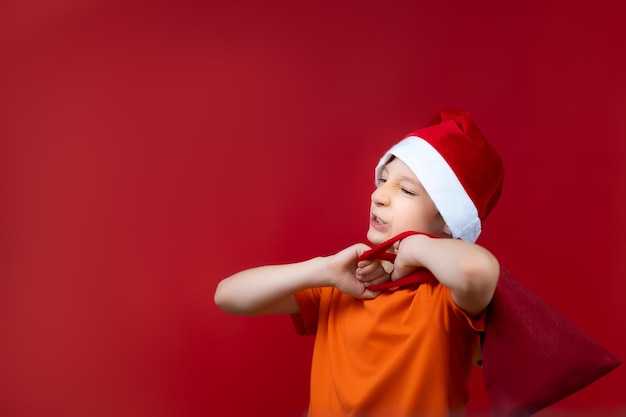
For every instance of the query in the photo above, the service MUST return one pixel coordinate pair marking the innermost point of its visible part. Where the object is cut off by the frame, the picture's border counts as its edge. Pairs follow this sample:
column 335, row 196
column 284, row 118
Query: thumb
column 399, row 271
column 360, row 249
column 369, row 294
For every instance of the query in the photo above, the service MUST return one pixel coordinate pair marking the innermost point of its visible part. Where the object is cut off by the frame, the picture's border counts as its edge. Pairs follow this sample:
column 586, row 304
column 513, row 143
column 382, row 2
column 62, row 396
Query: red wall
column 149, row 149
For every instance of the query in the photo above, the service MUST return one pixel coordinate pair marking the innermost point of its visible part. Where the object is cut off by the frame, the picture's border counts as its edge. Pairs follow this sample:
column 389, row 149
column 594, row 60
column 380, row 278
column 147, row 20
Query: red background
column 149, row 149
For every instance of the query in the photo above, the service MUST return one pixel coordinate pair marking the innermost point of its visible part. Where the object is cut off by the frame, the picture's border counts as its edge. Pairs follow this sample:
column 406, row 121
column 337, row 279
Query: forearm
column 455, row 263
column 267, row 289
column 469, row 270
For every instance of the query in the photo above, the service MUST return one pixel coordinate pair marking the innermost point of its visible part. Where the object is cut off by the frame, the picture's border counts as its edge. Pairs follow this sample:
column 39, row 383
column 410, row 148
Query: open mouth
column 377, row 221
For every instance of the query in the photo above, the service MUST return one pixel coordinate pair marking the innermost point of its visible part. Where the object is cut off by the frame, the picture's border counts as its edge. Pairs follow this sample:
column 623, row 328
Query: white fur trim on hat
column 441, row 184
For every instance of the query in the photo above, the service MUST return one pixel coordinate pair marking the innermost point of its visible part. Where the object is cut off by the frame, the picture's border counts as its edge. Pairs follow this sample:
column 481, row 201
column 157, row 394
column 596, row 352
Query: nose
column 380, row 196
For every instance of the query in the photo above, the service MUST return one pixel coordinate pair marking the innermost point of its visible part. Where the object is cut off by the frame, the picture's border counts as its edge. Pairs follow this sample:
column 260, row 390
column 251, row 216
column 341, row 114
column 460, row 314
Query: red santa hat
column 461, row 172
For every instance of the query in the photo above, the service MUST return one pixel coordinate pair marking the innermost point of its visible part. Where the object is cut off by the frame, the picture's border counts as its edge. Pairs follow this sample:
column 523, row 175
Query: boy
column 406, row 351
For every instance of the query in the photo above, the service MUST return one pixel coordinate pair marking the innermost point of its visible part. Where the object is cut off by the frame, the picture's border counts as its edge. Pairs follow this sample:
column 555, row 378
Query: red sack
column 533, row 356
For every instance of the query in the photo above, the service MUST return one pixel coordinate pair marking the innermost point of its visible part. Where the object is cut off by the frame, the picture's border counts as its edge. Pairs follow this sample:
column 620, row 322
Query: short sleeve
column 305, row 322
column 475, row 323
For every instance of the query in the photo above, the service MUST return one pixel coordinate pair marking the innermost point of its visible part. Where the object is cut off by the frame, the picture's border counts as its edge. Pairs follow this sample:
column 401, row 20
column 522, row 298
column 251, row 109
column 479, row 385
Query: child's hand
column 405, row 262
column 372, row 272
column 353, row 279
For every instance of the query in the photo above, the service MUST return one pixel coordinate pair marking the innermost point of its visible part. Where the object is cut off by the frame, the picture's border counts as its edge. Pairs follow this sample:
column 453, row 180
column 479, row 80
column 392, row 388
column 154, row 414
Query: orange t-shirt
column 406, row 353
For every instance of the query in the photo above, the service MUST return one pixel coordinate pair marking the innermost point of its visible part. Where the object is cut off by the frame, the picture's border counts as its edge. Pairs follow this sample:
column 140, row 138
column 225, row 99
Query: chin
column 375, row 237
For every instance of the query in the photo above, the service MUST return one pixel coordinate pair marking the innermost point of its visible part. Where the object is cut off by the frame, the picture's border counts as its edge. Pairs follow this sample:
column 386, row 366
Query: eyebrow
column 412, row 180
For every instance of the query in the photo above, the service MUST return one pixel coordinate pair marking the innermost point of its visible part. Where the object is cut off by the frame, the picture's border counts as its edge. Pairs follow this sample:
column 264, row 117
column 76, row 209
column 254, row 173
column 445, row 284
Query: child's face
column 400, row 203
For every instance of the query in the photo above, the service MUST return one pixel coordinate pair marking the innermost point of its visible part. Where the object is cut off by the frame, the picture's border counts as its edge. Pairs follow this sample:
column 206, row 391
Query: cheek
column 426, row 218
column 414, row 217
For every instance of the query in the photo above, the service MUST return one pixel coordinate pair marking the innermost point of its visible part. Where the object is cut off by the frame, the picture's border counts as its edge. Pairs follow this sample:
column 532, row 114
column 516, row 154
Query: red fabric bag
column 533, row 356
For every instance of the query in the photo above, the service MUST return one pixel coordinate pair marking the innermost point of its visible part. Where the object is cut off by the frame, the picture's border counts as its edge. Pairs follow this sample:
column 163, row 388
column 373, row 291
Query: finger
column 367, row 267
column 369, row 279
column 377, row 281
column 367, row 276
